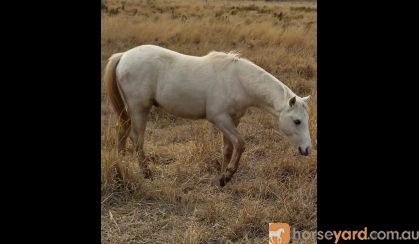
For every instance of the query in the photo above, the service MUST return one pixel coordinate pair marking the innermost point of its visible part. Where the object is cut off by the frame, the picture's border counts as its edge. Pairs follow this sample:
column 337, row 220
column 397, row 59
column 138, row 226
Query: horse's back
column 156, row 53
column 152, row 58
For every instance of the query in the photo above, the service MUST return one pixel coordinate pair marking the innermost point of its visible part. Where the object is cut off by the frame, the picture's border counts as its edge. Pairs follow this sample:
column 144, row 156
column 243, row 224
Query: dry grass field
column 184, row 203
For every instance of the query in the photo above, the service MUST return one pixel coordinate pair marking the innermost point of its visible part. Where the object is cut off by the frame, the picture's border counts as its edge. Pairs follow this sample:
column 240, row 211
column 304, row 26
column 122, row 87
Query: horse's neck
column 268, row 92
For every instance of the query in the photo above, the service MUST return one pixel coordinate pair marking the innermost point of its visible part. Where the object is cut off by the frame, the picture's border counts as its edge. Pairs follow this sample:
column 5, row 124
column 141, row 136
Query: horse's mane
column 222, row 60
column 230, row 56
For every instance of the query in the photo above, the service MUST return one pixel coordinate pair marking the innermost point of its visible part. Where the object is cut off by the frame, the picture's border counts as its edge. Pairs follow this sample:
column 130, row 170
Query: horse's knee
column 239, row 145
column 227, row 149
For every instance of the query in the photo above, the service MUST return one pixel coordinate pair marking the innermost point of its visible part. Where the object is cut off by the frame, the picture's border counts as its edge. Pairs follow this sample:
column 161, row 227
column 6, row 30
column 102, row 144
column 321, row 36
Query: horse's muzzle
column 305, row 152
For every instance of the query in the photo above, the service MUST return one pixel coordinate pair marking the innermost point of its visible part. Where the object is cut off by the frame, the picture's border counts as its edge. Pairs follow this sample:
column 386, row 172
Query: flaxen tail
column 112, row 89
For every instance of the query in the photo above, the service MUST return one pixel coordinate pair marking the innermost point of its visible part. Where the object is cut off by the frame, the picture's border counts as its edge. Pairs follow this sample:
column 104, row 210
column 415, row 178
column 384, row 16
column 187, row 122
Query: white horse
column 276, row 234
column 219, row 87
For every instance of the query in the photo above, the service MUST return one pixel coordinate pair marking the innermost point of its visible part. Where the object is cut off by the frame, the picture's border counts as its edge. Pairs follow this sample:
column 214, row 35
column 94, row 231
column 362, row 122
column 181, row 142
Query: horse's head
column 293, row 121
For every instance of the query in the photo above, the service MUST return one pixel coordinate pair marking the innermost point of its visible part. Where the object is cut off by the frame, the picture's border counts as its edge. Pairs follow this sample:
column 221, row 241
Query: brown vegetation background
column 184, row 203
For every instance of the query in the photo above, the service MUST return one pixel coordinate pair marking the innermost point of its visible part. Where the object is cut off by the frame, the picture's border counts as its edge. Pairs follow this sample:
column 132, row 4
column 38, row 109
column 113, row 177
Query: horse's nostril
column 307, row 151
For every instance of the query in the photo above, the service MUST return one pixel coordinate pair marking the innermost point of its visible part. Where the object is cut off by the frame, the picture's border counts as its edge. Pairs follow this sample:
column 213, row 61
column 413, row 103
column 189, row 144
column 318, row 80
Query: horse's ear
column 306, row 99
column 292, row 101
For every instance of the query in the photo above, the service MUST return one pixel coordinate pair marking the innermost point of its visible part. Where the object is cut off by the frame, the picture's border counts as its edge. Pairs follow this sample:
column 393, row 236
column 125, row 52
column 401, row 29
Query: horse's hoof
column 222, row 181
column 148, row 174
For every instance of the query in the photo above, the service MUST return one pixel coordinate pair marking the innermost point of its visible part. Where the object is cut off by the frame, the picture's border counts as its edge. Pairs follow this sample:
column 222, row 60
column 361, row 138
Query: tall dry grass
column 184, row 204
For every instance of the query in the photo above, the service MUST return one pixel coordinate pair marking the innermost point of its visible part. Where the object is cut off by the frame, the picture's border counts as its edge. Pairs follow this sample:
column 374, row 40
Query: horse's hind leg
column 123, row 133
column 138, row 126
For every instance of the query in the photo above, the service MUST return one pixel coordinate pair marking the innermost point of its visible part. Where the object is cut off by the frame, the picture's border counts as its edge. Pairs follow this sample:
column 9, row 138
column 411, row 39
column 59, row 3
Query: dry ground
column 184, row 203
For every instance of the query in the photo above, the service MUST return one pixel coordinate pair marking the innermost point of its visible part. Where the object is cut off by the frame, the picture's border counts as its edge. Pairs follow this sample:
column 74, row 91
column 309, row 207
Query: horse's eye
column 297, row 122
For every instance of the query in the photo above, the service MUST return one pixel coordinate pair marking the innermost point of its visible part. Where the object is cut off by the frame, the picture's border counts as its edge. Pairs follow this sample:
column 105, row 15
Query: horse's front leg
column 227, row 149
column 226, row 124
column 227, row 152
column 138, row 126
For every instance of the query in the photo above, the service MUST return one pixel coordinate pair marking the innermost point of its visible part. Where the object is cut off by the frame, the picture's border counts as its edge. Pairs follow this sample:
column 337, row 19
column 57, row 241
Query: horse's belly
column 183, row 93
column 185, row 106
